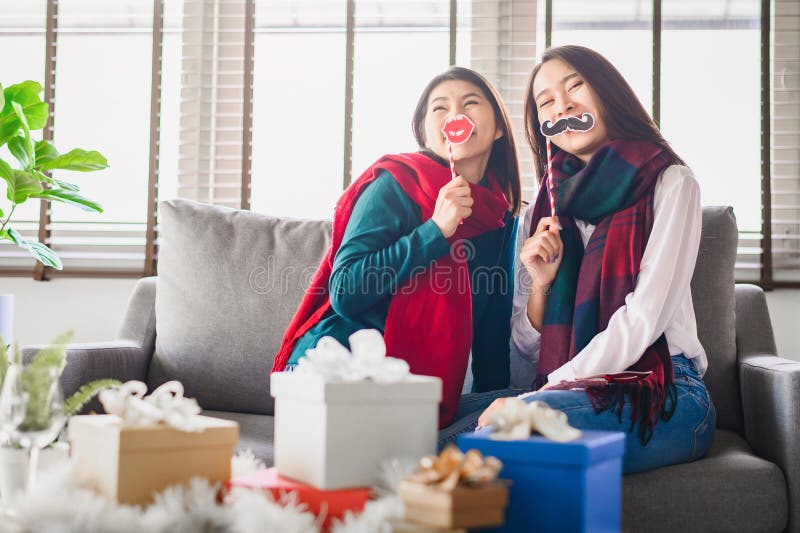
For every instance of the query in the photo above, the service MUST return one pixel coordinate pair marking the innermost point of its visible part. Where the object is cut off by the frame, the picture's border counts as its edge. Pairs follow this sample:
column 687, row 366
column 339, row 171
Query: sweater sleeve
column 383, row 245
column 526, row 338
column 491, row 364
column 664, row 275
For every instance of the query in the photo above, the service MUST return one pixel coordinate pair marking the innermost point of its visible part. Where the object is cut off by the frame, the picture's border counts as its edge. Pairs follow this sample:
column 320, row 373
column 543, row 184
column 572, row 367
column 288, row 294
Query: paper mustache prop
column 582, row 123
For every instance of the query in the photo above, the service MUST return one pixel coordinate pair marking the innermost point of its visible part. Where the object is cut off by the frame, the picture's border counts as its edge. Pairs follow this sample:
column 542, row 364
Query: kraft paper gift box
column 572, row 486
column 131, row 464
column 463, row 507
column 332, row 504
column 335, row 435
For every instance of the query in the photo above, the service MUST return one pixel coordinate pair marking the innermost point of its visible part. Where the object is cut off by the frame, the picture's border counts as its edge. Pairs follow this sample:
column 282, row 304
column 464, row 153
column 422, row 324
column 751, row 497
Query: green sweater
column 384, row 244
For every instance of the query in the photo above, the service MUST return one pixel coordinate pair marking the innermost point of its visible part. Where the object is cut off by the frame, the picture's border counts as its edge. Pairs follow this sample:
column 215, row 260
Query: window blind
column 276, row 105
column 213, row 121
column 502, row 47
column 785, row 183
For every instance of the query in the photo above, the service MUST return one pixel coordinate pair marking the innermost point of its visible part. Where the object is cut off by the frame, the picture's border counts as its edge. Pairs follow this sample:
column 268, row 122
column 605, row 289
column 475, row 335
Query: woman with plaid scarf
column 602, row 302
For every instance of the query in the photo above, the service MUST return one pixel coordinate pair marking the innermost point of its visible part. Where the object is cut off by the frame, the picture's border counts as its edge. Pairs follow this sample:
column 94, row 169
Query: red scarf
column 431, row 326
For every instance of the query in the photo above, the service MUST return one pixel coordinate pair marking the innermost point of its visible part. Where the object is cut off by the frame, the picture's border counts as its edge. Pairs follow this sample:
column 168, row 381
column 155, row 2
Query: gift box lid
column 313, row 388
column 214, row 432
column 593, row 447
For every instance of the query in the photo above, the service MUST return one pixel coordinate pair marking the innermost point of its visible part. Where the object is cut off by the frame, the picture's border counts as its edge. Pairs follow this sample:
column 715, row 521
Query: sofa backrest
column 713, row 289
column 229, row 281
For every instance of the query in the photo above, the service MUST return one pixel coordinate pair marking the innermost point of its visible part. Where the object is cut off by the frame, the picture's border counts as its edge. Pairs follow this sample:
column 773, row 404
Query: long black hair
column 624, row 115
column 503, row 158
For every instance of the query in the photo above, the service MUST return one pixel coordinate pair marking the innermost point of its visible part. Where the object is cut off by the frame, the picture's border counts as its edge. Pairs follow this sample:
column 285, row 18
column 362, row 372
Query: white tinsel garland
column 62, row 504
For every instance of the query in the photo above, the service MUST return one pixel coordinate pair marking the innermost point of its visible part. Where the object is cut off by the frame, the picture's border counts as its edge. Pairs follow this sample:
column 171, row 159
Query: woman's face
column 561, row 92
column 456, row 97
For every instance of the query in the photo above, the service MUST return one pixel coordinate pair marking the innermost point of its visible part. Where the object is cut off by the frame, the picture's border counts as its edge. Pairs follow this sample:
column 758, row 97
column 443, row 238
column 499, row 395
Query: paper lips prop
column 458, row 129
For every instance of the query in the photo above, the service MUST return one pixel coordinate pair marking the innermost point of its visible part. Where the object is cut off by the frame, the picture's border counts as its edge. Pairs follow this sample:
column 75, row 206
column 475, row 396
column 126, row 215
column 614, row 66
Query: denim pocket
column 704, row 432
column 697, row 388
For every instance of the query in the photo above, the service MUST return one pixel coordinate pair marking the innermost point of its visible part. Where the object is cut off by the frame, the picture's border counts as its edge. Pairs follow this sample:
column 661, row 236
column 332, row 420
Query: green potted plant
column 37, row 380
column 22, row 112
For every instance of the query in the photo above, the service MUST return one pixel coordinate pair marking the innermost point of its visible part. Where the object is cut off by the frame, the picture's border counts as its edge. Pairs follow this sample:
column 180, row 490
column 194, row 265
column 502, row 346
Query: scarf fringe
column 649, row 403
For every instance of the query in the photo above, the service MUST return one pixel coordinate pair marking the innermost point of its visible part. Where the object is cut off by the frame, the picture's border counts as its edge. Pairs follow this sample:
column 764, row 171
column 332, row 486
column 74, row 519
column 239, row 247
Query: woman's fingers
column 545, row 222
column 496, row 405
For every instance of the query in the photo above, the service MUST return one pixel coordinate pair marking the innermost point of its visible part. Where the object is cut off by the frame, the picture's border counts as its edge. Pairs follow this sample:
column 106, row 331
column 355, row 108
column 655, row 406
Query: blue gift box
column 572, row 486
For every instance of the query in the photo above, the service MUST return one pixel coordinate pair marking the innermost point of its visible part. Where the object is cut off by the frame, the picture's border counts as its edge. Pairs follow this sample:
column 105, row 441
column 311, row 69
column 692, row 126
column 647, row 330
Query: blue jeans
column 469, row 409
column 685, row 437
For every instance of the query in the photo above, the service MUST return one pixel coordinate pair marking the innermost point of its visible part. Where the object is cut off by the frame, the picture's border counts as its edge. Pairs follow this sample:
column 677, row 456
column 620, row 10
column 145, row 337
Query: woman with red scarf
column 603, row 287
column 425, row 258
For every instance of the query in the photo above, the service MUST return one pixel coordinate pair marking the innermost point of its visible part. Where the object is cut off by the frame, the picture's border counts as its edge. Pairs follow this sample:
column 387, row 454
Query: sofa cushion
column 256, row 433
column 229, row 281
column 713, row 296
column 731, row 489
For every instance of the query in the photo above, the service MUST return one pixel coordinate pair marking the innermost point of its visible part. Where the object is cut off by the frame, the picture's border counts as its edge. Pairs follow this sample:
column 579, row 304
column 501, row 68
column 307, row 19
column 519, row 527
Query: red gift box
column 333, row 503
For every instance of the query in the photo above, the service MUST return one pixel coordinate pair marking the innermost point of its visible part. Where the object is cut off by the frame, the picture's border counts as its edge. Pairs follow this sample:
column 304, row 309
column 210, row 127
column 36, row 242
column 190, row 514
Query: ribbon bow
column 453, row 468
column 166, row 405
column 517, row 419
column 366, row 359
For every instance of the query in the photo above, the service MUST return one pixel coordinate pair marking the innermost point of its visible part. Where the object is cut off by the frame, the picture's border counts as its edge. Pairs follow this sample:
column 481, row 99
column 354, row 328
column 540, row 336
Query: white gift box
column 335, row 434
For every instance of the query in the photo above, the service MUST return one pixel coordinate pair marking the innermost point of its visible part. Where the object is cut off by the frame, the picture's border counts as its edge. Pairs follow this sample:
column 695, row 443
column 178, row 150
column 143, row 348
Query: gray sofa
column 230, row 280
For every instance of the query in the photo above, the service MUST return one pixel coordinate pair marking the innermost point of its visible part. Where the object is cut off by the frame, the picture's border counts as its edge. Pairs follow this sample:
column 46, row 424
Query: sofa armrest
column 122, row 360
column 139, row 322
column 753, row 326
column 771, row 408
column 770, row 388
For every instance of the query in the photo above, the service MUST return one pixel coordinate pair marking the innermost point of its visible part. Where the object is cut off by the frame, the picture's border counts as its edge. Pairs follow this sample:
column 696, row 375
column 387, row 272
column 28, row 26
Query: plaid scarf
column 429, row 323
column 615, row 192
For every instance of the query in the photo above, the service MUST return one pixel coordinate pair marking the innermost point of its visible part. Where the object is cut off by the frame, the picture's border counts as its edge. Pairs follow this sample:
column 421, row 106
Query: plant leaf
column 9, row 126
column 2, row 97
column 27, row 144
column 17, row 148
column 44, row 152
column 74, row 404
column 52, row 181
column 38, row 250
column 13, row 235
column 21, row 186
column 6, row 173
column 78, row 160
column 69, row 197
column 65, row 185
column 43, row 254
column 54, row 354
column 26, row 94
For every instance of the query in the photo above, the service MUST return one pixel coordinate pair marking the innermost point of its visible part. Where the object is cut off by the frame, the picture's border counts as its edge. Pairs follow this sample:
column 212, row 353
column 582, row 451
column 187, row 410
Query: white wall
column 784, row 309
column 94, row 309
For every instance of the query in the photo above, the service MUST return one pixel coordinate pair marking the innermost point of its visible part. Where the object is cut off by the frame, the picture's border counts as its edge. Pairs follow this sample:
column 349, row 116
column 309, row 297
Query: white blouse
column 660, row 303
